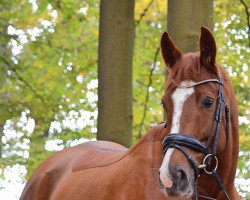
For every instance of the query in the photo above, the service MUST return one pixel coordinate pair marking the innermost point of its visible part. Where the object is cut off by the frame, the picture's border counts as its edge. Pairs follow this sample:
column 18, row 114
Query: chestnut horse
column 192, row 155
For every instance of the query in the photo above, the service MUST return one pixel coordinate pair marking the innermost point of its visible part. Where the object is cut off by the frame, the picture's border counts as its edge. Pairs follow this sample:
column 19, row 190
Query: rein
column 179, row 140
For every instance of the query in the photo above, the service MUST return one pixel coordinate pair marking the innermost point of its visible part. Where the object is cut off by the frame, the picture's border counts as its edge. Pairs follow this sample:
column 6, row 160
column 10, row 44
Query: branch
column 29, row 86
column 248, row 20
column 150, row 81
column 20, row 78
column 144, row 12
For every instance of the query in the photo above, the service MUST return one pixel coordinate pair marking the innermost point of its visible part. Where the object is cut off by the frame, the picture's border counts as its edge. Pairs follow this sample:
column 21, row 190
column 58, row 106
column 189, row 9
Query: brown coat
column 100, row 170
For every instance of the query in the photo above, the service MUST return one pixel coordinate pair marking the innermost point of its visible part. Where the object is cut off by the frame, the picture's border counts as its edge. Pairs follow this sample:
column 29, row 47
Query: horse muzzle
column 180, row 184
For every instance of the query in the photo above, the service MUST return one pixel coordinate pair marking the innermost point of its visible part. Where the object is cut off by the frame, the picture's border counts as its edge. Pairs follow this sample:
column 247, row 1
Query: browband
column 198, row 83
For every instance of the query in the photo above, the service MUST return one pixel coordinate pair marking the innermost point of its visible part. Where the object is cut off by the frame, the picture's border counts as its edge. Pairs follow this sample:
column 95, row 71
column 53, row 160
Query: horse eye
column 163, row 104
column 207, row 103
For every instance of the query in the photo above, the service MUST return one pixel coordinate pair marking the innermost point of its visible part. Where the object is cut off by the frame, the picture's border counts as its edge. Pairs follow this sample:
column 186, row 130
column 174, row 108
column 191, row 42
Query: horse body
column 101, row 170
column 165, row 164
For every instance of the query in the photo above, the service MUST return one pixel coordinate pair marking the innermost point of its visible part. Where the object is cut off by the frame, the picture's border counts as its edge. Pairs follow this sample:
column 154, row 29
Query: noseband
column 178, row 140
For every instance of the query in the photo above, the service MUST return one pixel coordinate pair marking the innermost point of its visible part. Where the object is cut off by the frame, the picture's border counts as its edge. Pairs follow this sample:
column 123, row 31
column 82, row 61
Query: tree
column 115, row 55
column 184, row 19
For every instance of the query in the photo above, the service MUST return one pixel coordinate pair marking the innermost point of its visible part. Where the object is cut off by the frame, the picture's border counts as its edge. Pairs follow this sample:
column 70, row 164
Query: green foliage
column 147, row 61
column 49, row 72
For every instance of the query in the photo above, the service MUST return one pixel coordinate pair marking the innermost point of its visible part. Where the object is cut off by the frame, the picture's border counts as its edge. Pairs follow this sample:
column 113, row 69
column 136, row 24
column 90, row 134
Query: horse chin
column 178, row 193
column 173, row 193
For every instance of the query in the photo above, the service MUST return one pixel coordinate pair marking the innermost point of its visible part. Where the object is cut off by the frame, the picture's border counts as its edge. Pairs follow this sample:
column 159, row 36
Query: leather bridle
column 179, row 141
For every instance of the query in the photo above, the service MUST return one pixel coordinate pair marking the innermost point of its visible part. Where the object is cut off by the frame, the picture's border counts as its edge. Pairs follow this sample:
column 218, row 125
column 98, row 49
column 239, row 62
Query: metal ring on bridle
column 216, row 163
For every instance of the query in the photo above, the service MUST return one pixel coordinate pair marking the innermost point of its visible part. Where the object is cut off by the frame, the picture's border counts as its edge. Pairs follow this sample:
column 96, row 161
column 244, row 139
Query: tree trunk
column 1, row 135
column 185, row 17
column 115, row 55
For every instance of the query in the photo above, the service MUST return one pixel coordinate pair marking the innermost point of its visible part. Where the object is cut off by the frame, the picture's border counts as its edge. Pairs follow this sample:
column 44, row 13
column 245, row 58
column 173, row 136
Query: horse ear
column 169, row 51
column 207, row 49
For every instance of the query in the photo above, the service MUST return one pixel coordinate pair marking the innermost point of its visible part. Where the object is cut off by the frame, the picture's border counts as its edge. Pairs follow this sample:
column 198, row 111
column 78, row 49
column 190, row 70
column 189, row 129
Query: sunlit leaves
column 148, row 32
column 51, row 44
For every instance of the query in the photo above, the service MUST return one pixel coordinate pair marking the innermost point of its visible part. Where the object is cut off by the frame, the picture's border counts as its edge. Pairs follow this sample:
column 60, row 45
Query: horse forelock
column 188, row 67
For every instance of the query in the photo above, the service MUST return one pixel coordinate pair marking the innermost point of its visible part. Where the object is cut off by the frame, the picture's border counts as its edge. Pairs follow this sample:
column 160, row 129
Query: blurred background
column 49, row 80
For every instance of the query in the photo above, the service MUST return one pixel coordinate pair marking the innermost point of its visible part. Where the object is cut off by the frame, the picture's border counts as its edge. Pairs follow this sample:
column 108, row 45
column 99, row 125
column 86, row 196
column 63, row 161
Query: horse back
column 55, row 168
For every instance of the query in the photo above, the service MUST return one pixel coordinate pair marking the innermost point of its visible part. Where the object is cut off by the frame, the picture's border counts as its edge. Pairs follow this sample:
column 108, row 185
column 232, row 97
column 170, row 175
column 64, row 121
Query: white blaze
column 179, row 96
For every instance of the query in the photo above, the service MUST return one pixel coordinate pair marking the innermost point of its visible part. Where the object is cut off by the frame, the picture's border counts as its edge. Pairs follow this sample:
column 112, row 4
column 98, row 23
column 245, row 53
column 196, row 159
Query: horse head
column 202, row 123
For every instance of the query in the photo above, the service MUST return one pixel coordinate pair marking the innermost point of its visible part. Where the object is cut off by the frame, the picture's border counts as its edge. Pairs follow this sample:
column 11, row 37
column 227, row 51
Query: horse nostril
column 181, row 179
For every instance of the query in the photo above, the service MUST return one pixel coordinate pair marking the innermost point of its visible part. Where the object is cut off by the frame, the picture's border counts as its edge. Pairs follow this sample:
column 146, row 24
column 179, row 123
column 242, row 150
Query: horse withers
column 192, row 155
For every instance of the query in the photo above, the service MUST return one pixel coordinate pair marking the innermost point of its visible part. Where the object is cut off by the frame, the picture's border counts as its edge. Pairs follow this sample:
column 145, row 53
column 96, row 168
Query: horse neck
column 155, row 134
column 146, row 157
column 150, row 145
